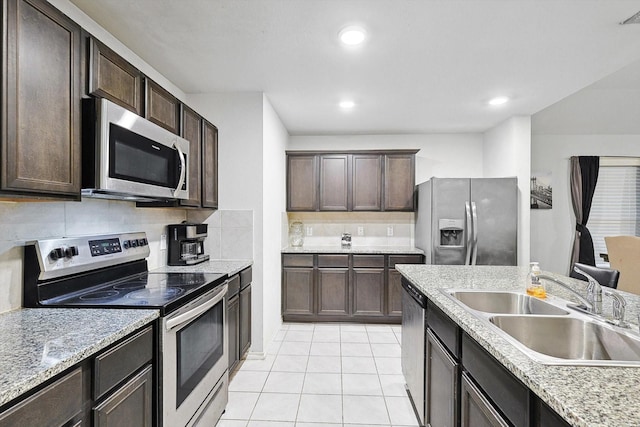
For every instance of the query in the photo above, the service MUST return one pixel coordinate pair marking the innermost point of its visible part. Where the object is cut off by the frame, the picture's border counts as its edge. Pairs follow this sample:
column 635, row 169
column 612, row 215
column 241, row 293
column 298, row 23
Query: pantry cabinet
column 42, row 60
column 341, row 287
column 351, row 181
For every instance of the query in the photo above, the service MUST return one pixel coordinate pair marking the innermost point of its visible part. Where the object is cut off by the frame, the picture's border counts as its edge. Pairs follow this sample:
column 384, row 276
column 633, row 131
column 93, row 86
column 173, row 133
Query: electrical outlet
column 390, row 230
column 360, row 231
column 163, row 242
column 309, row 231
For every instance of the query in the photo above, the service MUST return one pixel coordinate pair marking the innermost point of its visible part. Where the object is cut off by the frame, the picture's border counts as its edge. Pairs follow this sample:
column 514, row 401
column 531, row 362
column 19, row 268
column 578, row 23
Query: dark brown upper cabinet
column 192, row 132
column 302, row 183
column 367, row 182
column 209, row 165
column 351, row 181
column 162, row 108
column 42, row 87
column 399, row 182
column 113, row 78
column 334, row 182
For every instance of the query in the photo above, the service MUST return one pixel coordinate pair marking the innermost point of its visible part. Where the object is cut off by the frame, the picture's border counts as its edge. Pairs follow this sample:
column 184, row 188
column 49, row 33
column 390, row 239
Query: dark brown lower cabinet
column 297, row 291
column 394, row 293
column 130, row 405
column 333, row 291
column 368, row 292
column 441, row 388
column 245, row 320
column 233, row 323
column 476, row 410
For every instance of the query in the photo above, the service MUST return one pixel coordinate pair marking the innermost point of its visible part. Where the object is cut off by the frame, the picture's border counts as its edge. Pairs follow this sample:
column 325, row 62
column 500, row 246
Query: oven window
column 135, row 158
column 199, row 346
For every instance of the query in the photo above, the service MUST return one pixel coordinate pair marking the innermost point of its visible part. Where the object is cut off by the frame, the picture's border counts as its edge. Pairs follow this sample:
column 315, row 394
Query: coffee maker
column 186, row 243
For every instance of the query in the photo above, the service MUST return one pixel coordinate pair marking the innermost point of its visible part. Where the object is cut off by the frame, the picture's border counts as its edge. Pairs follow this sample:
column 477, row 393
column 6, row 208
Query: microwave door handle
column 196, row 311
column 183, row 170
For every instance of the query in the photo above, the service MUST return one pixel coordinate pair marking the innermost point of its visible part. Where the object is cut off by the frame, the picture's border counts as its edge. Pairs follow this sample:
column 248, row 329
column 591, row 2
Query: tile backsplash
column 326, row 228
column 230, row 233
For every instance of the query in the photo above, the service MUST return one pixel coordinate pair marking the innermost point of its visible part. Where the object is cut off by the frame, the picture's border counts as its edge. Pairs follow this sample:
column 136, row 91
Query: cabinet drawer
column 233, row 286
column 333, row 260
column 505, row 390
column 445, row 328
column 368, row 260
column 130, row 405
column 118, row 363
column 297, row 261
column 404, row 259
column 246, row 276
column 54, row 405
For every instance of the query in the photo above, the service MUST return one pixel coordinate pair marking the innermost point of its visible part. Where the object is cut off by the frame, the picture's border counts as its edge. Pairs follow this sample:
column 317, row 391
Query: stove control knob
column 142, row 242
column 126, row 244
column 71, row 251
column 56, row 254
column 134, row 243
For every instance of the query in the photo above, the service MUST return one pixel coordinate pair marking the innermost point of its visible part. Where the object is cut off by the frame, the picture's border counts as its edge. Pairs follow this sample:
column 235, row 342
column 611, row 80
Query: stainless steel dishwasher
column 413, row 345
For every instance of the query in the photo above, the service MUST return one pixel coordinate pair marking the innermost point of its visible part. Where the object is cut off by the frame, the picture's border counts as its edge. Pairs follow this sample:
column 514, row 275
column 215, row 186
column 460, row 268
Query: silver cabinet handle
column 467, row 209
column 183, row 170
column 197, row 310
column 474, row 213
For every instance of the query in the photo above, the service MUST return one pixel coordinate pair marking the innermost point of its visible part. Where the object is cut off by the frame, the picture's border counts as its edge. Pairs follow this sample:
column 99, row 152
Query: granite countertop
column 227, row 266
column 353, row 250
column 585, row 396
column 39, row 343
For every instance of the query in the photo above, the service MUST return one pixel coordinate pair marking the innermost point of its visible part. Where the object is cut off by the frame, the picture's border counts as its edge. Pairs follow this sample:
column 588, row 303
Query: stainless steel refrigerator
column 469, row 221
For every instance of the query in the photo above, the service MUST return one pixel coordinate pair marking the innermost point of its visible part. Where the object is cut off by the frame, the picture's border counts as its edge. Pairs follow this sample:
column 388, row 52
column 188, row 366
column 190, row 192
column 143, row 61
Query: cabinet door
column 333, row 295
column 191, row 130
column 441, row 389
column 399, row 182
column 209, row 165
column 42, row 52
column 334, row 186
column 366, row 182
column 394, row 293
column 368, row 292
column 112, row 77
column 476, row 410
column 302, row 183
column 128, row 406
column 245, row 320
column 162, row 108
column 233, row 331
column 297, row 291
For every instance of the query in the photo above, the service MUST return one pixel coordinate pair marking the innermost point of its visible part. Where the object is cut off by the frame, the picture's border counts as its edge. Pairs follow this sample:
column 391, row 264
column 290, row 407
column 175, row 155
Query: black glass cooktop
column 149, row 290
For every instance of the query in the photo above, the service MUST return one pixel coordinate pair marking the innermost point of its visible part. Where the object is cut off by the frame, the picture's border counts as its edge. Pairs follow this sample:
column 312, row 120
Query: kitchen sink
column 505, row 303
column 571, row 340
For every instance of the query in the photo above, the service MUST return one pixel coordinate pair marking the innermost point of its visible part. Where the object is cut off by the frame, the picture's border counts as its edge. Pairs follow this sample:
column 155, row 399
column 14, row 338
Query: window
column 615, row 208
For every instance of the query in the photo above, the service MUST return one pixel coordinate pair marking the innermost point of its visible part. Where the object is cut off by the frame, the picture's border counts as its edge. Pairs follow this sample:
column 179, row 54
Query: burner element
column 130, row 285
column 155, row 294
column 99, row 295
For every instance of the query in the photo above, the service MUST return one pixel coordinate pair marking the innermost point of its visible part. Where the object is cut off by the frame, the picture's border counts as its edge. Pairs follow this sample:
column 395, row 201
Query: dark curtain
column 588, row 167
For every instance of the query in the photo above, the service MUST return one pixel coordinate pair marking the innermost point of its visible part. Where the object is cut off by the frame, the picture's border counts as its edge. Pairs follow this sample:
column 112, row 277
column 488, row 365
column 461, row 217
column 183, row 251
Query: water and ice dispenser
column 451, row 231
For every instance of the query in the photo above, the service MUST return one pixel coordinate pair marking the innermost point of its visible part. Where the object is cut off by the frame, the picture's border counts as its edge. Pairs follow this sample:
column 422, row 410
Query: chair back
column 605, row 276
column 624, row 256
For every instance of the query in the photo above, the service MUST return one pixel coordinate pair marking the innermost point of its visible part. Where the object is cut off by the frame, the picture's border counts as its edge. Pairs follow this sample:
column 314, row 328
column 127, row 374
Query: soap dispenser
column 534, row 285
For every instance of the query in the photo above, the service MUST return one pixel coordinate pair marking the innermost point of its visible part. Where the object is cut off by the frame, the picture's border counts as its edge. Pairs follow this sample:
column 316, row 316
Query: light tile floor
column 323, row 375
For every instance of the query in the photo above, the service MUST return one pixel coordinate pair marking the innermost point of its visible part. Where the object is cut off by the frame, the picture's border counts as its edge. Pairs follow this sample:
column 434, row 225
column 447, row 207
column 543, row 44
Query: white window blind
column 616, row 206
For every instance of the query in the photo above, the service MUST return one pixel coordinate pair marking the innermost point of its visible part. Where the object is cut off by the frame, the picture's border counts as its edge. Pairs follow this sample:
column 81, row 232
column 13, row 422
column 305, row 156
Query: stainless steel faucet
column 585, row 301
column 594, row 291
column 619, row 305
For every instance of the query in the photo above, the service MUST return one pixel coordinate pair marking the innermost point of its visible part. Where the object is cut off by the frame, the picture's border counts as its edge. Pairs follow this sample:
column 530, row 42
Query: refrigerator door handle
column 467, row 208
column 474, row 213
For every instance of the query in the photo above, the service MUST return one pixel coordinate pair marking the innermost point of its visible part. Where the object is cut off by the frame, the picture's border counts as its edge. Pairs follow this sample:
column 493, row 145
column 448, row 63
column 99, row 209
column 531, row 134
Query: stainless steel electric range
column 110, row 271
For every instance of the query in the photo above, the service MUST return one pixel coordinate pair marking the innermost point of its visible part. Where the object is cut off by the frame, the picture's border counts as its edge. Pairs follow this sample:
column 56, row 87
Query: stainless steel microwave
column 125, row 156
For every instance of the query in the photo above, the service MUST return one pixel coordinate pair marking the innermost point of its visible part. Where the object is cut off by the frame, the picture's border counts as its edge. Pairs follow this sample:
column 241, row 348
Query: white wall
column 441, row 155
column 506, row 152
column 275, row 140
column 552, row 230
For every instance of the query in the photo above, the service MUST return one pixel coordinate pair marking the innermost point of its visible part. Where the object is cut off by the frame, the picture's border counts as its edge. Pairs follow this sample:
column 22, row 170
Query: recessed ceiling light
column 347, row 104
column 499, row 100
column 352, row 35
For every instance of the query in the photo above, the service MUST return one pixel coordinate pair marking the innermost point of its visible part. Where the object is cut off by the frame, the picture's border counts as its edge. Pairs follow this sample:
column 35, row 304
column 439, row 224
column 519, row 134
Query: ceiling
column 427, row 66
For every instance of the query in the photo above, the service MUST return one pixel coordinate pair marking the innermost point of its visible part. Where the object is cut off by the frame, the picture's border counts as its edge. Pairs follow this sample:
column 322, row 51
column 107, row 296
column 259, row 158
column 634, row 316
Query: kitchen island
column 585, row 396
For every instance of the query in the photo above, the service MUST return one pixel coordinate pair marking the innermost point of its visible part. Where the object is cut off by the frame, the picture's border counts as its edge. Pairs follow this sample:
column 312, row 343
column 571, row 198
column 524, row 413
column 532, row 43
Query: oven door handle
column 183, row 169
column 197, row 310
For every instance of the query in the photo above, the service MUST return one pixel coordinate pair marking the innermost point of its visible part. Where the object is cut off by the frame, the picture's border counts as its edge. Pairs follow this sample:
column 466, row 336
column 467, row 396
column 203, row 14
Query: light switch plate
column 360, row 231
column 163, row 242
column 390, row 230
column 309, row 231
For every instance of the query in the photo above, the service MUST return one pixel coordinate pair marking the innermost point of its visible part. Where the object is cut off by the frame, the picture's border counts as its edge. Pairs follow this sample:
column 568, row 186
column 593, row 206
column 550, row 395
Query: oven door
column 139, row 157
column 194, row 346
